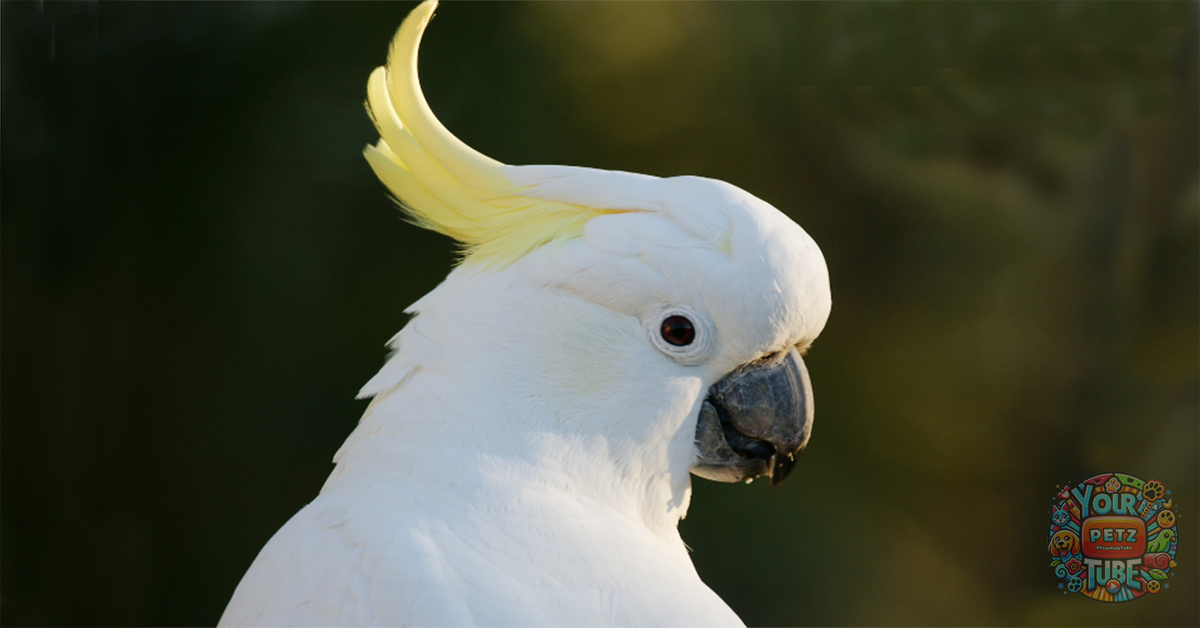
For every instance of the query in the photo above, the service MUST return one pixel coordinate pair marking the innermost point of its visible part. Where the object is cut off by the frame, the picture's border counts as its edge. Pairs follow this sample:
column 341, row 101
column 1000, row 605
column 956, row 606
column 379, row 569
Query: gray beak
column 755, row 421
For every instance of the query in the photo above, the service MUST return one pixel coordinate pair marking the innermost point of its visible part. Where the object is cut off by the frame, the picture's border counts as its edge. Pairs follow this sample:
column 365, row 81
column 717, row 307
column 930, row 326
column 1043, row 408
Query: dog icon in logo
column 1064, row 543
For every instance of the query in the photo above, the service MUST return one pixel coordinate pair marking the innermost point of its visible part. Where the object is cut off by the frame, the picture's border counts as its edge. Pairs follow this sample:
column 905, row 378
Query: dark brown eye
column 678, row 330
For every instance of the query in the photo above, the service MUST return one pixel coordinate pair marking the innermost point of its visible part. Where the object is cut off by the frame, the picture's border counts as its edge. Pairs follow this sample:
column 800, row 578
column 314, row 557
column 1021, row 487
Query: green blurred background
column 200, row 270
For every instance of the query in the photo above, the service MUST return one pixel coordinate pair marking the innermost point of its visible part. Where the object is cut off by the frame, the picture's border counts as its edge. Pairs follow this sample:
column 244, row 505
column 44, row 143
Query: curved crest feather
column 441, row 183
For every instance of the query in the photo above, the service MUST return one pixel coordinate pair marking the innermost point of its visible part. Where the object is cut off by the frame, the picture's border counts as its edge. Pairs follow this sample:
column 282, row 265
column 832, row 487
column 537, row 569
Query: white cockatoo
column 525, row 459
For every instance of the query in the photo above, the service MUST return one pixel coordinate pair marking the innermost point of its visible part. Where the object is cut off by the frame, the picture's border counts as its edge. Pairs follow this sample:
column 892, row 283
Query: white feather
column 525, row 459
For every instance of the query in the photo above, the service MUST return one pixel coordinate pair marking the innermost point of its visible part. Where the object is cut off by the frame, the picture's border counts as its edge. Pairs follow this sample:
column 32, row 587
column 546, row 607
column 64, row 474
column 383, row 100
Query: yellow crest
column 441, row 183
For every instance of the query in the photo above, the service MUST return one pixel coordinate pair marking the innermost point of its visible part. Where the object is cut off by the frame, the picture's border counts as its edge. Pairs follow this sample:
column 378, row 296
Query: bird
column 1161, row 541
column 528, row 450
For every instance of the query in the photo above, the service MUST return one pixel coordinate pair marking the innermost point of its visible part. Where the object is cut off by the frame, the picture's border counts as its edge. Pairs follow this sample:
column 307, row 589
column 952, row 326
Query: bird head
column 657, row 321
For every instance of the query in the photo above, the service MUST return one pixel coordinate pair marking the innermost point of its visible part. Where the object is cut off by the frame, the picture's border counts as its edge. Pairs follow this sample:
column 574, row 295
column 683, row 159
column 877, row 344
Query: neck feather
column 501, row 384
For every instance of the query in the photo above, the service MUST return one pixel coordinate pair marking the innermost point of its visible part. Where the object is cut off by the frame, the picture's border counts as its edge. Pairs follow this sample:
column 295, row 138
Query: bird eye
column 678, row 330
column 681, row 333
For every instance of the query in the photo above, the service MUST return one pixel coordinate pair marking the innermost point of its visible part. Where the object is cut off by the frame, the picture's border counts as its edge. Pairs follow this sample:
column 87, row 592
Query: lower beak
column 755, row 421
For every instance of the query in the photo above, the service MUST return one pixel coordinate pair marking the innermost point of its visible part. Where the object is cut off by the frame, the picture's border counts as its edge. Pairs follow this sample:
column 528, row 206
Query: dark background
column 200, row 270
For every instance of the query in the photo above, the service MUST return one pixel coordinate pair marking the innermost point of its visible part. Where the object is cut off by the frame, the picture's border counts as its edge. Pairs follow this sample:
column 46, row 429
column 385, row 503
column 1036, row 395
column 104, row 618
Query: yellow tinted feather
column 441, row 183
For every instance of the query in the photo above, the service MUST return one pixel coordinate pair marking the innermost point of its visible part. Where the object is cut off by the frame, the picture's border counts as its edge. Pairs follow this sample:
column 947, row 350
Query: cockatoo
column 525, row 457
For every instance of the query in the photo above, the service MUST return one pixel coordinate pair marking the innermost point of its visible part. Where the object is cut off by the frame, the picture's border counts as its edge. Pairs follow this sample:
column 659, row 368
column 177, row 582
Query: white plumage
column 525, row 459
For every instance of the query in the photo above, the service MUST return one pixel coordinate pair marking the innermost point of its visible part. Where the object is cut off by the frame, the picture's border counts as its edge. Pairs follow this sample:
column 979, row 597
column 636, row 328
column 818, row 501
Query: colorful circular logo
column 1113, row 537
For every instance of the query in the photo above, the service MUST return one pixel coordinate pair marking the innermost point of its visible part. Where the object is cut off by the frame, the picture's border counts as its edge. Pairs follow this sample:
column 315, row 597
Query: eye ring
column 678, row 330
column 681, row 333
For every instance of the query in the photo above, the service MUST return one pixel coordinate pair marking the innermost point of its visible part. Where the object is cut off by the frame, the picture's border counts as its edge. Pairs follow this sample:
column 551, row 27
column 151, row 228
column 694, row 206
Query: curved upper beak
column 755, row 420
